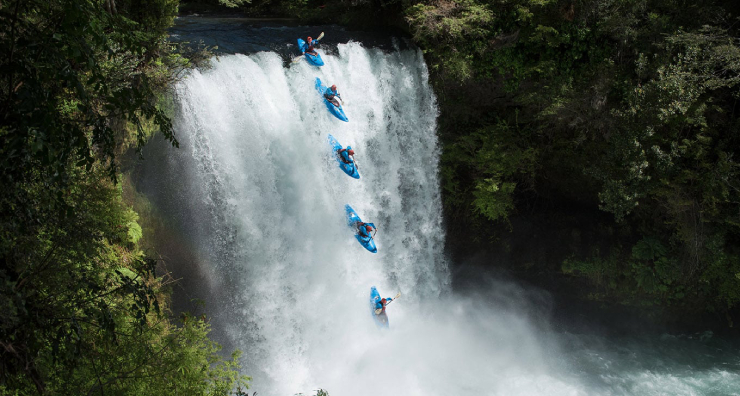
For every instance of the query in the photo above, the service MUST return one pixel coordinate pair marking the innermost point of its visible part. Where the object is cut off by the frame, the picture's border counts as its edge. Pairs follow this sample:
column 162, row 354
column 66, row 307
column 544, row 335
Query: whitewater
column 259, row 200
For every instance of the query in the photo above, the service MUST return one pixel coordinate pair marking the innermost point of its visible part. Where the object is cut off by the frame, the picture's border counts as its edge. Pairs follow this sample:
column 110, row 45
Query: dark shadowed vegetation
column 82, row 310
column 625, row 106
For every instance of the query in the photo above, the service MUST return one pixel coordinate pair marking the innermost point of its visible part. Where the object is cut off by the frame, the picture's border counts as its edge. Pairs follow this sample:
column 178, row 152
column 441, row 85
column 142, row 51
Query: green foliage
column 499, row 155
column 467, row 39
column 648, row 249
column 650, row 276
column 444, row 27
column 303, row 9
column 493, row 199
column 134, row 231
column 666, row 137
column 234, row 3
column 627, row 105
column 81, row 310
column 70, row 66
column 651, row 269
column 601, row 271
column 449, row 20
column 721, row 277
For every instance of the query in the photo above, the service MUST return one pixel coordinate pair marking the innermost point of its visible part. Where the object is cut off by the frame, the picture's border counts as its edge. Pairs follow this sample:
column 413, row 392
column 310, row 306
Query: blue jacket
column 379, row 303
column 330, row 94
column 345, row 157
column 309, row 47
column 363, row 232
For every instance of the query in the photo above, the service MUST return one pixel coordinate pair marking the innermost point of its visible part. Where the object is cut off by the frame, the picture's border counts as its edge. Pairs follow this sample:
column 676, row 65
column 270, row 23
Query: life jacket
column 345, row 160
column 362, row 231
column 329, row 94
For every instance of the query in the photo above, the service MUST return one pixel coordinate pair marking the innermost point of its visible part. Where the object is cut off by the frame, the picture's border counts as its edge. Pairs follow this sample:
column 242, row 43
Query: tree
column 81, row 308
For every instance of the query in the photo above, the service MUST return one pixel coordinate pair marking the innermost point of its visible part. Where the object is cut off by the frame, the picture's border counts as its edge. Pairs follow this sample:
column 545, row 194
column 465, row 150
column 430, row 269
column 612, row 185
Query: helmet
column 309, row 38
column 368, row 228
column 383, row 301
column 333, row 87
column 351, row 152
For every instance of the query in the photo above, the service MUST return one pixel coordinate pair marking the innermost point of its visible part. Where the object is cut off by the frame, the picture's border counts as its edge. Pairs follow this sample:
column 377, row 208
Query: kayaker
column 345, row 154
column 309, row 46
column 332, row 95
column 381, row 305
column 364, row 230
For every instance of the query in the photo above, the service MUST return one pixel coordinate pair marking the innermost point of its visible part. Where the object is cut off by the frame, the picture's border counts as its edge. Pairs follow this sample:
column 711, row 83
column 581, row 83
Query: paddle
column 299, row 57
column 379, row 310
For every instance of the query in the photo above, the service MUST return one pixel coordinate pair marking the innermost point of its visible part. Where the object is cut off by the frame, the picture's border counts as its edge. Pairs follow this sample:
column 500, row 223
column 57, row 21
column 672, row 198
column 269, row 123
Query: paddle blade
column 297, row 58
column 378, row 311
column 320, row 36
column 397, row 295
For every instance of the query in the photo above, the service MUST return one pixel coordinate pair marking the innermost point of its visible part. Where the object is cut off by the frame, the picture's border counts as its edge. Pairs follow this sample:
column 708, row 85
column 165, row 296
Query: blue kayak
column 350, row 169
column 352, row 219
column 337, row 111
column 311, row 59
column 382, row 319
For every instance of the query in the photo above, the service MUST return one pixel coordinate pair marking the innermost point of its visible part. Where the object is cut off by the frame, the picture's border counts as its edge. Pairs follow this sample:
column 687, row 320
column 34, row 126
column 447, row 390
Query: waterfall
column 261, row 199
